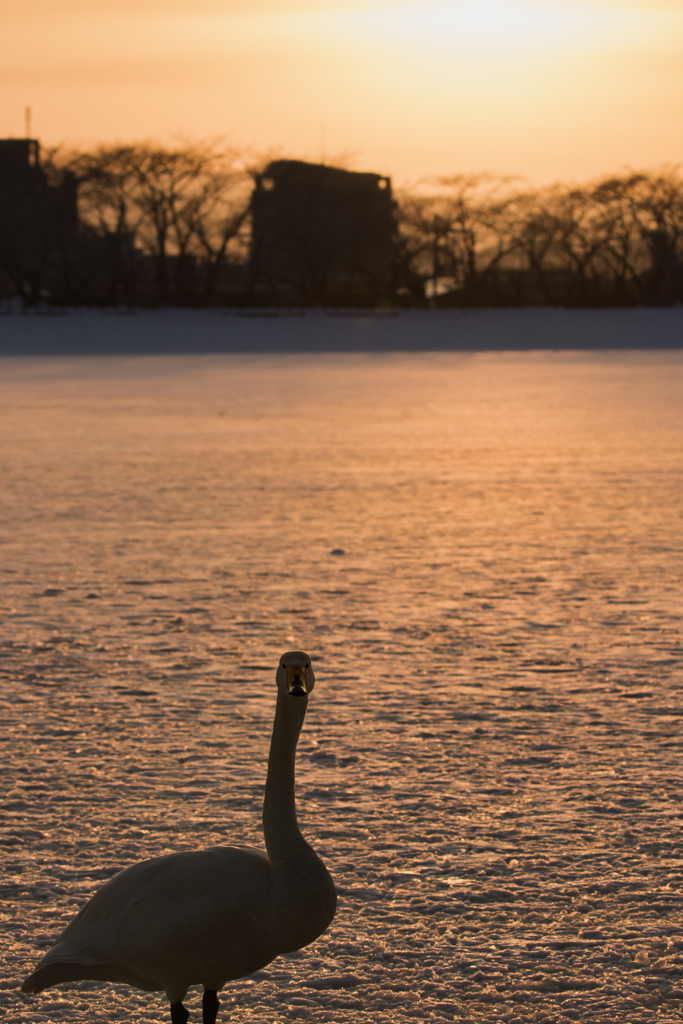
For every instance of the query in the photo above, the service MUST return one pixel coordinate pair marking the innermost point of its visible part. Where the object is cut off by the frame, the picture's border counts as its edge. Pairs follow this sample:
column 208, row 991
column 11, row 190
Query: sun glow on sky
column 543, row 88
column 503, row 25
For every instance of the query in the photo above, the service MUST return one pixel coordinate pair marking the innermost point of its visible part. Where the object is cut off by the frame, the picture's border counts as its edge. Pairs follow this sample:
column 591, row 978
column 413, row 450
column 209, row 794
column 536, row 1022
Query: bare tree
column 617, row 241
column 656, row 206
column 157, row 224
column 177, row 208
column 456, row 232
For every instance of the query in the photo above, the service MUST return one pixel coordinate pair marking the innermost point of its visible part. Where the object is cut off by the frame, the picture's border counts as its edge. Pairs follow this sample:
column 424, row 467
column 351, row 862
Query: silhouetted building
column 321, row 234
column 38, row 220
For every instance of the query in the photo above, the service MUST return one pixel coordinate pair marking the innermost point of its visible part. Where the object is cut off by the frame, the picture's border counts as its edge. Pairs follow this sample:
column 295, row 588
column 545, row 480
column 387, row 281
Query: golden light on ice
column 495, row 730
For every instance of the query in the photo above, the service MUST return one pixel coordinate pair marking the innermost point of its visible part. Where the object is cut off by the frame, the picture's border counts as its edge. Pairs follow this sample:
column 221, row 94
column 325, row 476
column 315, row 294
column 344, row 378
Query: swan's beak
column 296, row 681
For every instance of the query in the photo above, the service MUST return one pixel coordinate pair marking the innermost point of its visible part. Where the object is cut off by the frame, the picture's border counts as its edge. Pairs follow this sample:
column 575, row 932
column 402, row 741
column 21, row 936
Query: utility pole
column 27, row 121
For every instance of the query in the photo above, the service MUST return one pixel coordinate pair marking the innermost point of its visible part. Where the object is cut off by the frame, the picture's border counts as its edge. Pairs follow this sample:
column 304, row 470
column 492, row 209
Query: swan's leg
column 179, row 1014
column 210, row 1006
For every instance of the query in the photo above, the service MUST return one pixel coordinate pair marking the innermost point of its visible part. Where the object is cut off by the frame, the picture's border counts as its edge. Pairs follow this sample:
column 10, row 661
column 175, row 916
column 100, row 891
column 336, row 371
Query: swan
column 206, row 917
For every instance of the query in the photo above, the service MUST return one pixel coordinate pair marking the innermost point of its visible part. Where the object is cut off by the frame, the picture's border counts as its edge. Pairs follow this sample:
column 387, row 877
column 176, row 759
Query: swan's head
column 294, row 674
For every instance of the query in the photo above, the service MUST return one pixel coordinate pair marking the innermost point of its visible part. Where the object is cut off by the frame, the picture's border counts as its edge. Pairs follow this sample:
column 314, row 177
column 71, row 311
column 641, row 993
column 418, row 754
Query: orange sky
column 548, row 89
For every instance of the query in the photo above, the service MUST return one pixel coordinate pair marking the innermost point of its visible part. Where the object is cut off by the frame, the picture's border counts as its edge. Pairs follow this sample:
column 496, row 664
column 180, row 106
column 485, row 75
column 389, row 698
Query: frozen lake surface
column 491, row 763
column 167, row 331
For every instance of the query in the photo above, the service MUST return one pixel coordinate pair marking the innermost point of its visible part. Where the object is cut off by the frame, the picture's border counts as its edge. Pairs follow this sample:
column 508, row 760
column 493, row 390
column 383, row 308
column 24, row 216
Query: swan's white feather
column 206, row 917
column 200, row 917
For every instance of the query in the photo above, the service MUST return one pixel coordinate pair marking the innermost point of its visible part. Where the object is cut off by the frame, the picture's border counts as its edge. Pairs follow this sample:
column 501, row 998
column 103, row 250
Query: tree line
column 479, row 240
column 145, row 224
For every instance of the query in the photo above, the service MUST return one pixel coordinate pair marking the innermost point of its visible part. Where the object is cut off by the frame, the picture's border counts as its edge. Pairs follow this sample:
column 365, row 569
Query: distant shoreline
column 180, row 331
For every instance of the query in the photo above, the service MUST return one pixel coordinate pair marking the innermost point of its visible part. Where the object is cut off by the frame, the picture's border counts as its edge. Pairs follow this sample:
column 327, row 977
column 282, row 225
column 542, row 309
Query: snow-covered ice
column 491, row 763
column 163, row 331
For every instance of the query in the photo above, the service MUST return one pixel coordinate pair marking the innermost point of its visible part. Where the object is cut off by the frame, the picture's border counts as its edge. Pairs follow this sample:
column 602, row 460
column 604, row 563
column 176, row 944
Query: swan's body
column 209, row 916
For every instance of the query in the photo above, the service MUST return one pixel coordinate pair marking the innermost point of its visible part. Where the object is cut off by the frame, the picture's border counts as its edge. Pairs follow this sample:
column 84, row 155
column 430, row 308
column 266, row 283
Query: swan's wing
column 173, row 916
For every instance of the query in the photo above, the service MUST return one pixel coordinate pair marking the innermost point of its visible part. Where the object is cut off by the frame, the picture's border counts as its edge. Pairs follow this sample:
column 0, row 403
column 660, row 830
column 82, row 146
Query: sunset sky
column 548, row 89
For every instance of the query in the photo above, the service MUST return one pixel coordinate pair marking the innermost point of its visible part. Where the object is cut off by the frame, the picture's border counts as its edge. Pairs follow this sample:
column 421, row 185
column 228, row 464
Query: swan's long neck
column 280, row 827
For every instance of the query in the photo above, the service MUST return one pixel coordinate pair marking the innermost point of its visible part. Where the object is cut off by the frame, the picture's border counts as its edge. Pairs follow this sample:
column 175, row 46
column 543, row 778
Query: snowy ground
column 51, row 332
column 491, row 765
